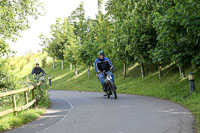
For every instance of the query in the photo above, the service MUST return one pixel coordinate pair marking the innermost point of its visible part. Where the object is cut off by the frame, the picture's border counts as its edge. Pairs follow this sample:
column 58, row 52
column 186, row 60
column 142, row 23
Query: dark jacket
column 101, row 65
column 38, row 70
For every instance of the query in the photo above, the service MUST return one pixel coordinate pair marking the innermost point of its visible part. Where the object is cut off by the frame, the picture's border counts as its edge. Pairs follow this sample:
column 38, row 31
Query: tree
column 62, row 35
column 119, row 13
column 14, row 19
column 87, row 51
column 104, row 31
column 143, row 33
column 177, row 32
column 48, row 47
column 77, row 19
column 72, row 53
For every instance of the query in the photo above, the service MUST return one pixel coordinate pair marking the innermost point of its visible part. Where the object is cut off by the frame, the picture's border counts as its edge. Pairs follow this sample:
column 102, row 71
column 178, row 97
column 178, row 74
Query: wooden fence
column 13, row 93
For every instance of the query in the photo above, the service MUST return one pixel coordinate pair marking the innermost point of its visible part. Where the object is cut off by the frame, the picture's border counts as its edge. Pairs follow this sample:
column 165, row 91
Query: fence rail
column 13, row 93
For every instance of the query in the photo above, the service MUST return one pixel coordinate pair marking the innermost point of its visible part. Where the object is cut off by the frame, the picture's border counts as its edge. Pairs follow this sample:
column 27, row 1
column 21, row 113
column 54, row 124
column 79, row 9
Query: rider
column 103, row 64
column 37, row 70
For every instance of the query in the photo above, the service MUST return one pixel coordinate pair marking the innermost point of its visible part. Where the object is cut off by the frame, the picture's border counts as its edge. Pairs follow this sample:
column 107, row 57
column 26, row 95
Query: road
column 87, row 112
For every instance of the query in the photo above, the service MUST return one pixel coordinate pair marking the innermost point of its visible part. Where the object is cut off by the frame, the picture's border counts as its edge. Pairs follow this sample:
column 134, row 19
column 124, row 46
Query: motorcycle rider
column 103, row 64
column 37, row 70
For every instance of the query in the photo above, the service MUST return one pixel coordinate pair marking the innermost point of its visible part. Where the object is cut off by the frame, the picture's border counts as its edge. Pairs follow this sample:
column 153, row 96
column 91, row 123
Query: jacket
column 37, row 70
column 101, row 65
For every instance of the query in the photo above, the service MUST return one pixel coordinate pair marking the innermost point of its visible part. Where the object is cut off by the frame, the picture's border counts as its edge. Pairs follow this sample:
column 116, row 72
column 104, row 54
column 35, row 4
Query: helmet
column 37, row 64
column 101, row 53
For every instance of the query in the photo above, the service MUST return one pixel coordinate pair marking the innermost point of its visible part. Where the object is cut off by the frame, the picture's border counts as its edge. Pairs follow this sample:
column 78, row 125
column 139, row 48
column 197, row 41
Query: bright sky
column 54, row 9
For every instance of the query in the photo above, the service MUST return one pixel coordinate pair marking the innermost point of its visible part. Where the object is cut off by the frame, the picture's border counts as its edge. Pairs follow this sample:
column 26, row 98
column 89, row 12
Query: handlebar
column 39, row 74
column 104, row 71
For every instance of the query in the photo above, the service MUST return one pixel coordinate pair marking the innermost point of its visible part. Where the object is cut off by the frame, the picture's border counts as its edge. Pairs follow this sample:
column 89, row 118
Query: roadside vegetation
column 15, row 16
column 171, row 87
column 153, row 45
column 14, row 69
column 11, row 121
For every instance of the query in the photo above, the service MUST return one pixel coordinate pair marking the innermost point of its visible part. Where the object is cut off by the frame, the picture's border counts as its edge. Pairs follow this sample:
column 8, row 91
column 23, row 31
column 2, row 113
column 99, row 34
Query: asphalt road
column 85, row 112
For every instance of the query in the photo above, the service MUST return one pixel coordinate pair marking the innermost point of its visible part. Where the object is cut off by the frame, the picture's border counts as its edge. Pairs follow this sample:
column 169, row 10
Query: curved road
column 85, row 112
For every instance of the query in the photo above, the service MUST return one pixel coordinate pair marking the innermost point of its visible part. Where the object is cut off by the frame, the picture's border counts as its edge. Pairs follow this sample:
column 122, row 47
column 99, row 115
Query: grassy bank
column 21, row 67
column 170, row 87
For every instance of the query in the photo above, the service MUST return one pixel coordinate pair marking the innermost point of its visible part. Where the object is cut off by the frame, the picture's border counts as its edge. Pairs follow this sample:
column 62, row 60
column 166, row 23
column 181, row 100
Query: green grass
column 21, row 67
column 170, row 87
column 11, row 121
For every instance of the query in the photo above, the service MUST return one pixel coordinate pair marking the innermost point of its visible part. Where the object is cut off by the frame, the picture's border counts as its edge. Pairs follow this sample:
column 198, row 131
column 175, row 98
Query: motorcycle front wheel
column 113, row 90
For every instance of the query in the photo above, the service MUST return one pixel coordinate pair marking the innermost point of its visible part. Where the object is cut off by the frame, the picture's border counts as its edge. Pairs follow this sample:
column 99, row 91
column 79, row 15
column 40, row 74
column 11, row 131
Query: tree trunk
column 142, row 70
column 89, row 72
column 75, row 70
column 124, row 73
column 62, row 65
column 71, row 67
column 159, row 71
column 53, row 63
column 182, row 73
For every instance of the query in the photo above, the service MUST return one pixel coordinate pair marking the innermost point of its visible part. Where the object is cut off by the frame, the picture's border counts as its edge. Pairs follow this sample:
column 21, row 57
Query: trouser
column 101, row 77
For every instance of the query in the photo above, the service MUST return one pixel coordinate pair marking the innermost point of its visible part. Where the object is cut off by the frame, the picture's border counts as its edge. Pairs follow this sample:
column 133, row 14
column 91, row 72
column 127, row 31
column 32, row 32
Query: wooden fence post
column 14, row 104
column 26, row 97
column 13, row 94
column 33, row 96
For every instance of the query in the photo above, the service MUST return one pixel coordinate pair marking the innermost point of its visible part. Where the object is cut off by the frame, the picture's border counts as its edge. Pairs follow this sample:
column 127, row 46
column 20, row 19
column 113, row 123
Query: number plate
column 109, row 77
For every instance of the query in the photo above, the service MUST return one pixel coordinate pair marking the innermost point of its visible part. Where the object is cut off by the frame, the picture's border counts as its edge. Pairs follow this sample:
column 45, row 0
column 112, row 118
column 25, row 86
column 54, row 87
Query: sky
column 54, row 9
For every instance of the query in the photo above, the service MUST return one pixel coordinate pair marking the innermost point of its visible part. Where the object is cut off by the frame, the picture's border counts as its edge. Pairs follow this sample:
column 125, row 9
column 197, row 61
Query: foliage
column 15, row 16
column 88, row 50
column 77, row 19
column 132, row 31
column 41, row 91
column 62, row 43
column 7, row 82
column 44, row 62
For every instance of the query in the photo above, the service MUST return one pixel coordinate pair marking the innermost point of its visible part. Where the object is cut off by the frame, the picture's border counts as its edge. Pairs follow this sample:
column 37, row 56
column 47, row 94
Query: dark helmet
column 37, row 64
column 101, row 53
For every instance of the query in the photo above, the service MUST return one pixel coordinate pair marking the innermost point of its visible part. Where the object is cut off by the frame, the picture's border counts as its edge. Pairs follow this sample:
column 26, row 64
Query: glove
column 111, row 69
column 98, row 72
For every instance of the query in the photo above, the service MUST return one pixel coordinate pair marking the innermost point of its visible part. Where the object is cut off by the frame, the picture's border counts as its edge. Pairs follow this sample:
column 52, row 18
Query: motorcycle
column 110, row 87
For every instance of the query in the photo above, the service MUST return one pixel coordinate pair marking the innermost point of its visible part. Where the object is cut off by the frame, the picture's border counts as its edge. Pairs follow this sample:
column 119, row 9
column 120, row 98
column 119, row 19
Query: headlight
column 109, row 77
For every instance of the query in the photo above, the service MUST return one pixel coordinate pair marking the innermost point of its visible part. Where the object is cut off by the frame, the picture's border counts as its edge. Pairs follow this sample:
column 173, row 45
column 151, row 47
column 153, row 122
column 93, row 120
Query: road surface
column 87, row 112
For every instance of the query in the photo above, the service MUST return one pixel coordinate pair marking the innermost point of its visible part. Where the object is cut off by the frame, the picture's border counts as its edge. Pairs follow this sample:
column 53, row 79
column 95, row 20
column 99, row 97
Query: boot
column 115, row 87
column 104, row 88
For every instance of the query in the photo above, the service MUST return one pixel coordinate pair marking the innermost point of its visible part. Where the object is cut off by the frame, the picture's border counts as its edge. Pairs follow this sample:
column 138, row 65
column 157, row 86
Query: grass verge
column 11, row 121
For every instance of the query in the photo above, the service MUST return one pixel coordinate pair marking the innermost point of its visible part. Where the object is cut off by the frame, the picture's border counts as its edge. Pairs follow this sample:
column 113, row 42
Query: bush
column 41, row 92
column 7, row 82
column 44, row 62
column 21, row 67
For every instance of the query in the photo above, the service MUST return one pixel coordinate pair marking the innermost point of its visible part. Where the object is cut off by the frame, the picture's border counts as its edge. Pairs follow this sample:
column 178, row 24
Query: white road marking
column 65, row 116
